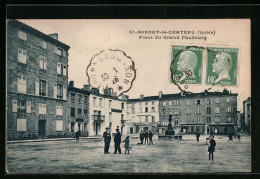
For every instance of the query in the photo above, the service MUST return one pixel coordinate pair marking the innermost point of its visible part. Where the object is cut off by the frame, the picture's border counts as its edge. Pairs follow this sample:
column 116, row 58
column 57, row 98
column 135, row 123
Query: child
column 126, row 144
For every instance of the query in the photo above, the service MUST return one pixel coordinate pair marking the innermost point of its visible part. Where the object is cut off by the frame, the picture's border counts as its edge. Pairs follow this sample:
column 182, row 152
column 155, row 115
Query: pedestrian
column 211, row 148
column 230, row 138
column 107, row 139
column 117, row 140
column 238, row 137
column 145, row 137
column 198, row 136
column 77, row 136
column 150, row 134
column 142, row 137
column 127, row 147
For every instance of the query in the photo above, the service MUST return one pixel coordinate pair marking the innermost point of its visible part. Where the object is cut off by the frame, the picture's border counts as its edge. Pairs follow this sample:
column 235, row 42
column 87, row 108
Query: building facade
column 106, row 110
column 143, row 114
column 77, row 110
column 207, row 112
column 247, row 115
column 37, row 76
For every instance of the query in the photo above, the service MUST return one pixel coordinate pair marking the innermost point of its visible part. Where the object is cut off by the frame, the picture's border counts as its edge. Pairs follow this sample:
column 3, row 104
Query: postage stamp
column 186, row 64
column 222, row 66
column 111, row 69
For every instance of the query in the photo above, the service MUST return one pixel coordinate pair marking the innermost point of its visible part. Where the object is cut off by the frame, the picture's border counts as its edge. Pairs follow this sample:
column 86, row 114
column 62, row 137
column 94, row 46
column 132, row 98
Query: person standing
column 198, row 136
column 107, row 139
column 211, row 149
column 238, row 137
column 77, row 136
column 117, row 140
column 150, row 137
column 127, row 147
column 230, row 138
column 145, row 137
column 142, row 137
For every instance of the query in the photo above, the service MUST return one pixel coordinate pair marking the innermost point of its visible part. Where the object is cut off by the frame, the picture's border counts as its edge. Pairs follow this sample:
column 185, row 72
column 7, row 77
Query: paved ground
column 87, row 156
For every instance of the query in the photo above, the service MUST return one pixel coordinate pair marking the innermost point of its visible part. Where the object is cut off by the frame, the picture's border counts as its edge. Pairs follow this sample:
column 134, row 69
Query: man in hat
column 107, row 139
column 117, row 140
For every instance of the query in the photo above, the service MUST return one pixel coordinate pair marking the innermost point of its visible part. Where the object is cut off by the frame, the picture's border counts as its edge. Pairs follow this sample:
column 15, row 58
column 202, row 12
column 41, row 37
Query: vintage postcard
column 128, row 96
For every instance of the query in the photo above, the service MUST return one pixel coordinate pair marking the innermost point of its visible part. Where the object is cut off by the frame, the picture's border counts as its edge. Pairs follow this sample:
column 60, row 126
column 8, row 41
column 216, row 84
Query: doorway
column 131, row 130
column 41, row 127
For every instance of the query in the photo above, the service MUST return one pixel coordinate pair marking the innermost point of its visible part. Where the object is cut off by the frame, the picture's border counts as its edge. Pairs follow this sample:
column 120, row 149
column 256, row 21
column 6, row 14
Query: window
column 80, row 98
column 22, row 35
column 85, row 112
column 164, row 111
column 42, row 88
column 140, row 104
column 170, row 103
column 72, row 112
column 146, row 103
column 216, row 100
column 122, row 117
column 176, row 111
column 21, row 125
column 228, row 100
column 208, row 110
column 164, row 103
column 208, row 101
column 59, row 91
column 146, row 109
column 176, row 122
column 21, row 83
column 72, row 127
column 64, row 70
column 22, row 106
column 59, row 110
column 22, row 56
column 188, row 110
column 198, row 119
column 43, row 62
column 59, row 125
column 95, row 101
column 188, row 102
column 140, row 109
column 176, row 102
column 28, row 107
column 123, row 105
column 59, row 68
column 110, row 117
column 198, row 101
column 72, row 97
column 217, row 119
column 110, row 103
column 217, row 110
column 153, row 118
column 198, row 110
column 58, row 51
column 42, row 108
column 100, row 102
column 229, row 109
column 79, row 111
column 43, row 44
column 14, row 107
column 188, row 119
column 85, row 99
column 153, row 109
column 229, row 119
column 140, row 118
column 146, row 119
column 208, row 119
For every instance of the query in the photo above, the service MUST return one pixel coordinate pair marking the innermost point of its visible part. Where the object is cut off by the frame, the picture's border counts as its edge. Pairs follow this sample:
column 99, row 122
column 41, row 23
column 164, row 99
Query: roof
column 148, row 98
column 70, row 88
column 39, row 33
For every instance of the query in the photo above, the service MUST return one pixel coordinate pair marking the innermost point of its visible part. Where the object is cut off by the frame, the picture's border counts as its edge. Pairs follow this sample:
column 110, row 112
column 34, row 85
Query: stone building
column 247, row 115
column 78, row 109
column 143, row 114
column 37, row 78
column 205, row 112
column 106, row 110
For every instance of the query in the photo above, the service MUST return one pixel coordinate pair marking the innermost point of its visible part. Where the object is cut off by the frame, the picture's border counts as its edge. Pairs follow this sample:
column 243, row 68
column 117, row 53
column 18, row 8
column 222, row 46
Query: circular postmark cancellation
column 111, row 69
column 187, row 66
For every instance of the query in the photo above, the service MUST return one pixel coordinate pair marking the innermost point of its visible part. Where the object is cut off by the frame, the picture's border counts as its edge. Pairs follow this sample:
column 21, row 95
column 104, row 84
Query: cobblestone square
column 86, row 156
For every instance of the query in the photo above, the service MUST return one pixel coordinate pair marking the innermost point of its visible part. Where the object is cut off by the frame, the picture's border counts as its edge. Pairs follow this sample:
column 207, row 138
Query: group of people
column 144, row 137
column 117, row 141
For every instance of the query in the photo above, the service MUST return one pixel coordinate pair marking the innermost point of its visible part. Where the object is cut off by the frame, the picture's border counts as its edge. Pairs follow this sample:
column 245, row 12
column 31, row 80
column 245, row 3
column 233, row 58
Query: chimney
column 86, row 87
column 95, row 90
column 141, row 96
column 123, row 97
column 54, row 35
column 160, row 94
column 108, row 91
column 71, row 83
column 205, row 92
column 126, row 97
column 182, row 93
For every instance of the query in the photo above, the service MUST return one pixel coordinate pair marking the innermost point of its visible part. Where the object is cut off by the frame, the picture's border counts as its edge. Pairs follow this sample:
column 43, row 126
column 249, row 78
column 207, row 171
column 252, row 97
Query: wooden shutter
column 64, row 53
column 41, row 62
column 64, row 92
column 59, row 68
column 55, row 90
column 44, row 108
column 64, row 70
column 61, row 110
column 57, row 110
column 40, row 108
column 28, row 106
column 47, row 89
column 24, row 84
column 14, row 108
column 36, row 86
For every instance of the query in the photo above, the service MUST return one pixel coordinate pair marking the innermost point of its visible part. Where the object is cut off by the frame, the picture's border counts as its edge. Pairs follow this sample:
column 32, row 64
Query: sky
column 152, row 57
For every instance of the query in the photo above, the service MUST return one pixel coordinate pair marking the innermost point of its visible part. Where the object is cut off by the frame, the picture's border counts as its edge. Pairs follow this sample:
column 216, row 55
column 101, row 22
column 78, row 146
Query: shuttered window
column 28, row 107
column 21, row 83
column 22, row 56
column 21, row 125
column 14, row 107
column 22, row 35
column 59, row 125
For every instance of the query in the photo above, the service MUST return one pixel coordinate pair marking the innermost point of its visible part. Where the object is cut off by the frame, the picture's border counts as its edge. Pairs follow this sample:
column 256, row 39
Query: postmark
column 186, row 65
column 222, row 66
column 111, row 69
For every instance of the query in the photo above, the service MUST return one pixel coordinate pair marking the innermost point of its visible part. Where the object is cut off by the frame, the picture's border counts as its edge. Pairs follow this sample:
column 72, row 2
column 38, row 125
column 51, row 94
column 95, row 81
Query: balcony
column 98, row 118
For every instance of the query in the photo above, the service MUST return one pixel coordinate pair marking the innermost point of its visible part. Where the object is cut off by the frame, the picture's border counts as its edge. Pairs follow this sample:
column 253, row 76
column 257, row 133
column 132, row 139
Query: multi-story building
column 238, row 120
column 247, row 114
column 205, row 112
column 106, row 110
column 78, row 109
column 37, row 78
column 143, row 114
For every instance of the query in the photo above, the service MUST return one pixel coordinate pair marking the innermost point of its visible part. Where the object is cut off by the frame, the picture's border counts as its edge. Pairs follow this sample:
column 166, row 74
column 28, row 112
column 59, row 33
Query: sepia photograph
column 128, row 96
